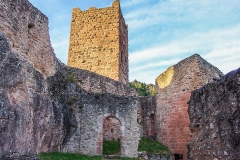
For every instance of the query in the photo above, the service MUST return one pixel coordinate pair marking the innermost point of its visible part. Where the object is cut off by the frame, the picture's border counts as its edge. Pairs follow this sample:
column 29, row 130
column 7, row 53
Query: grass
column 111, row 147
column 66, row 156
column 153, row 147
column 72, row 156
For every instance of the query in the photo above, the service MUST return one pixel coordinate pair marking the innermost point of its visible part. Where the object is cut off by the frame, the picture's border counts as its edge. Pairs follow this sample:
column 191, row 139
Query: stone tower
column 99, row 42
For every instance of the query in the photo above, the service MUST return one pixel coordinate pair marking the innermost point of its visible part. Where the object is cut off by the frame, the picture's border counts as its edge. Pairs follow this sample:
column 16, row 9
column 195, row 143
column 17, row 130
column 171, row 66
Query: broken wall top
column 187, row 75
column 27, row 30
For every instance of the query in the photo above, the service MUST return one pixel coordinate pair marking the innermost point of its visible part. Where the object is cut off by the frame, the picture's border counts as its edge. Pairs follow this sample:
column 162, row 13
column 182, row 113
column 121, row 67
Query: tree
column 142, row 88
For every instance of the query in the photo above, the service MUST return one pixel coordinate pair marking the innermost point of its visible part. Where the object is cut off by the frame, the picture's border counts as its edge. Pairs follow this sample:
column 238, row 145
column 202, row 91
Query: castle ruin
column 48, row 106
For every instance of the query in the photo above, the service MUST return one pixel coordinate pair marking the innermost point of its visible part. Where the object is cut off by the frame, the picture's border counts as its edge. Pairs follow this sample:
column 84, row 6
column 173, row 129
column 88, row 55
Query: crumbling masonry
column 48, row 106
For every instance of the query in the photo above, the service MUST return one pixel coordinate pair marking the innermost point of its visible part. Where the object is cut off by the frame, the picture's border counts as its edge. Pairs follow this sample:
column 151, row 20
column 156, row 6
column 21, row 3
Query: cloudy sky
column 161, row 32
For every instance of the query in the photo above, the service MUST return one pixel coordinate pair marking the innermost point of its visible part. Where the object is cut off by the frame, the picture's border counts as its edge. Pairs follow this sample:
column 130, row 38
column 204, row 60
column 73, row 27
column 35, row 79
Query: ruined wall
column 146, row 110
column 93, row 116
column 174, row 87
column 99, row 42
column 92, row 82
column 214, row 112
column 90, row 111
column 55, row 114
column 27, row 31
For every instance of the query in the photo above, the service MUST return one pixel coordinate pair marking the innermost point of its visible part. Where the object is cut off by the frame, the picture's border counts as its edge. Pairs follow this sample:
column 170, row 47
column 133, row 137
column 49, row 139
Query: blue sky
column 161, row 32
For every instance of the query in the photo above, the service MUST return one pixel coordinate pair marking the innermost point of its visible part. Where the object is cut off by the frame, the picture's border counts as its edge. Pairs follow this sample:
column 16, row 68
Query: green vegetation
column 66, row 156
column 71, row 78
column 142, row 88
column 153, row 147
column 72, row 156
column 111, row 147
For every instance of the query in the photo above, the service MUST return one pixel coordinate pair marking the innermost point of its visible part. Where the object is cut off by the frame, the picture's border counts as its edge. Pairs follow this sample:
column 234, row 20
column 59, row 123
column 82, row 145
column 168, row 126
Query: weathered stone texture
column 56, row 114
column 92, row 82
column 27, row 31
column 145, row 155
column 214, row 112
column 99, row 42
column 90, row 110
column 93, row 117
column 146, row 109
column 174, row 87
column 26, row 114
column 111, row 129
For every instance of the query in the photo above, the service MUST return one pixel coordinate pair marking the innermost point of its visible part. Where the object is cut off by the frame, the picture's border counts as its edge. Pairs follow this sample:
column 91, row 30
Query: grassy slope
column 152, row 147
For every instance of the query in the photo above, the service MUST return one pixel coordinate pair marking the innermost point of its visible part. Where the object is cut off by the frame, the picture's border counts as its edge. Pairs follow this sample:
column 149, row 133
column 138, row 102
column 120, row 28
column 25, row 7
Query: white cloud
column 129, row 3
column 176, row 11
column 220, row 47
column 149, row 65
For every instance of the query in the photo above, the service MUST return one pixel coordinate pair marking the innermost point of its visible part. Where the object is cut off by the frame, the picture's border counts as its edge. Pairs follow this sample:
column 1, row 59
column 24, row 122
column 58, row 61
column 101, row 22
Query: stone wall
column 214, row 112
column 146, row 110
column 99, row 42
column 40, row 114
column 111, row 129
column 123, row 49
column 93, row 116
column 27, row 31
column 90, row 111
column 92, row 82
column 174, row 87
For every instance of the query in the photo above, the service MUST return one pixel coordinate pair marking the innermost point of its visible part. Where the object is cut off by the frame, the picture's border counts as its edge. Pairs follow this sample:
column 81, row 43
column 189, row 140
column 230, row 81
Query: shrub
column 71, row 78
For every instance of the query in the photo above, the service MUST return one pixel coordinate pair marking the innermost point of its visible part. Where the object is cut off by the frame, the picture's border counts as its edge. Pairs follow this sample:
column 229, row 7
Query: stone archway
column 111, row 136
column 119, row 123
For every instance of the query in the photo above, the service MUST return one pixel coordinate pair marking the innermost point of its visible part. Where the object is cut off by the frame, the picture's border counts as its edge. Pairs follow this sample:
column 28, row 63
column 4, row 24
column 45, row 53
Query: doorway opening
column 111, row 136
column 178, row 156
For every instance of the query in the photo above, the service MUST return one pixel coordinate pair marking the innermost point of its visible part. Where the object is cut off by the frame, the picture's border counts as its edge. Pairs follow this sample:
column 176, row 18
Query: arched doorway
column 111, row 136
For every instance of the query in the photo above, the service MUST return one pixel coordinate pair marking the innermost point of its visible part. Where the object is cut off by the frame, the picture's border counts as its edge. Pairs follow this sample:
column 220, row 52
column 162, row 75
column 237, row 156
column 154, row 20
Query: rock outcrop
column 214, row 112
column 29, row 123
